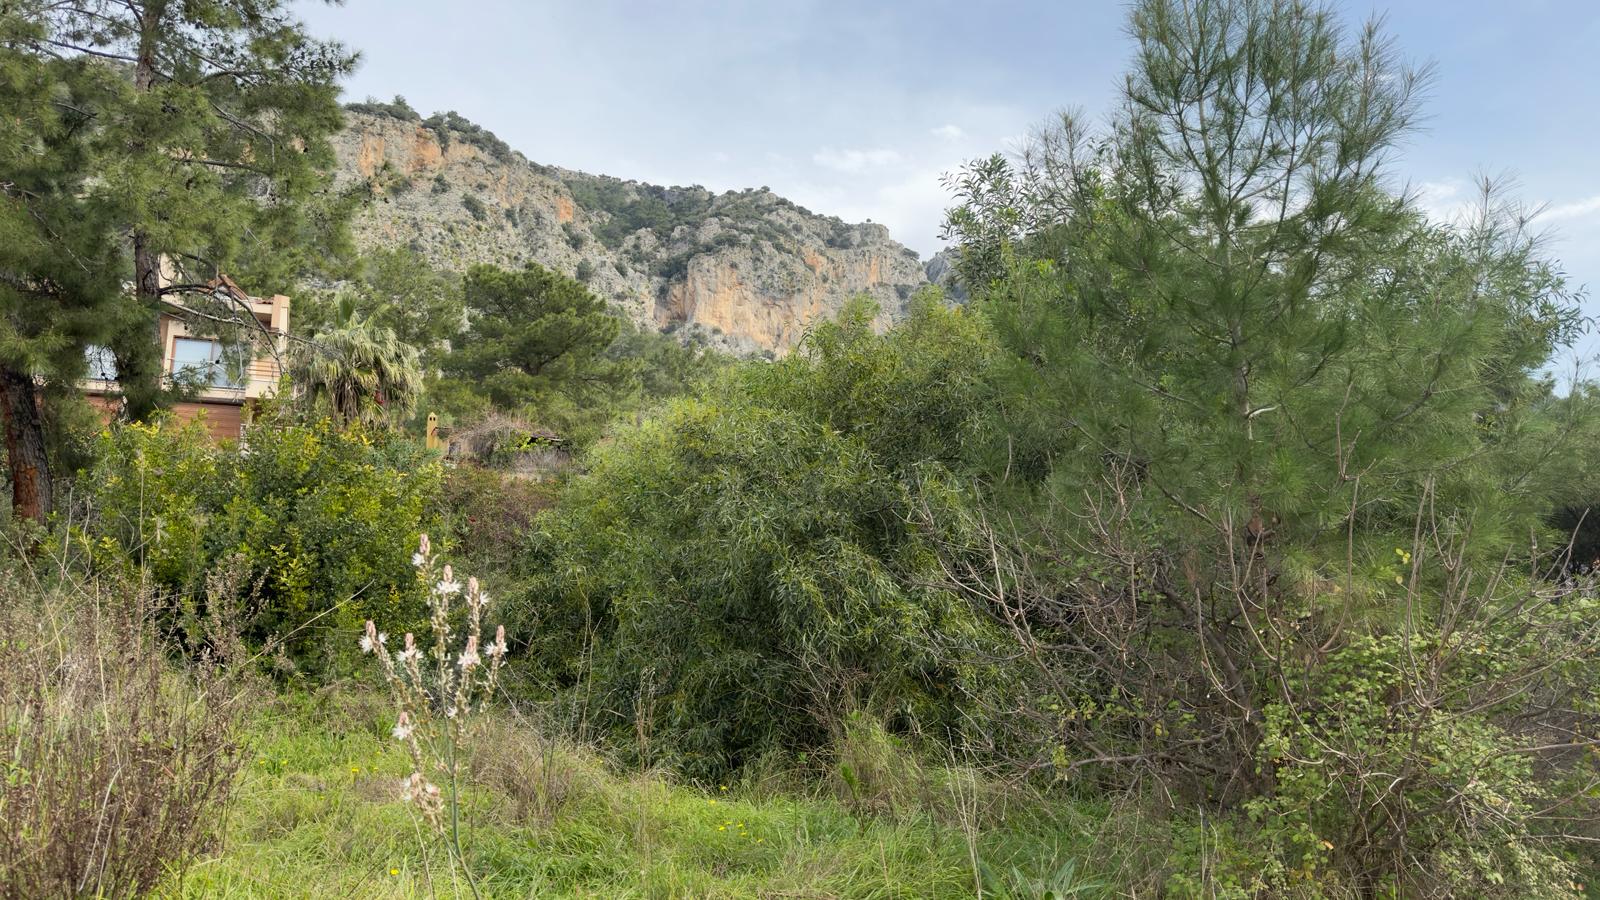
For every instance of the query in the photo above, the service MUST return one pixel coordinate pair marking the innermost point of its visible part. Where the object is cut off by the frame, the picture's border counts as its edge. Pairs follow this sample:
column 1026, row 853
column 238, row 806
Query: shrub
column 395, row 109
column 452, row 125
column 489, row 516
column 741, row 571
column 475, row 207
column 748, row 575
column 1453, row 724
column 116, row 768
column 320, row 516
column 154, row 488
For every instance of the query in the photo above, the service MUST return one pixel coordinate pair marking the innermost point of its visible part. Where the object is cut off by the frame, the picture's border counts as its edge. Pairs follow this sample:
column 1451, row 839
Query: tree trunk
column 25, row 452
column 138, row 350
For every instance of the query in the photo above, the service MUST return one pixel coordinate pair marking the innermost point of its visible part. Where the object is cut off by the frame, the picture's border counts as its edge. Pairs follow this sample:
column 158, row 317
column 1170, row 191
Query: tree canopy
column 210, row 148
column 529, row 333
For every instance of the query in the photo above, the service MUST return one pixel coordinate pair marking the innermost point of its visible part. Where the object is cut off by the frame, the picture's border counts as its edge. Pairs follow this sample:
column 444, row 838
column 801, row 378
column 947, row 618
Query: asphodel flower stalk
column 434, row 703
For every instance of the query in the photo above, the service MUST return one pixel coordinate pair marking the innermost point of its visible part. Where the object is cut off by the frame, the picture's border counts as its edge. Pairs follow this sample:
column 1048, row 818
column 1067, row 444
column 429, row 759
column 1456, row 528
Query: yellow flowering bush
column 320, row 516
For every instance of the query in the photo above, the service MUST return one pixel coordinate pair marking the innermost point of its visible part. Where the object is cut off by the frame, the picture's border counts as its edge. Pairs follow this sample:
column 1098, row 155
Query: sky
column 855, row 109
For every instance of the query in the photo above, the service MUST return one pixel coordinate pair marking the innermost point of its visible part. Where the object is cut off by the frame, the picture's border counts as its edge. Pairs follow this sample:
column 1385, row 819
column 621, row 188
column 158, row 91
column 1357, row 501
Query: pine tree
column 530, row 333
column 1268, row 429
column 212, row 155
column 58, row 258
column 1226, row 292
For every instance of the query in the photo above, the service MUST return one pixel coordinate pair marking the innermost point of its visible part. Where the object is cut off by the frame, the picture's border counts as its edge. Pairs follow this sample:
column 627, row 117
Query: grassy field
column 317, row 814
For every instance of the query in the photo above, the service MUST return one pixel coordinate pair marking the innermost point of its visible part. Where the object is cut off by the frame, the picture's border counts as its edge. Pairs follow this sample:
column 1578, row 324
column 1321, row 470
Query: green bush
column 452, row 125
column 324, row 521
column 1460, row 810
column 152, row 488
column 735, row 575
column 488, row 516
column 395, row 109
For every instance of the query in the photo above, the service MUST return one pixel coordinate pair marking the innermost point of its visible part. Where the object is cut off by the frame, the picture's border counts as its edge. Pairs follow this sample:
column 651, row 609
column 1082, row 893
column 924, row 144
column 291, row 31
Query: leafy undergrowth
column 318, row 814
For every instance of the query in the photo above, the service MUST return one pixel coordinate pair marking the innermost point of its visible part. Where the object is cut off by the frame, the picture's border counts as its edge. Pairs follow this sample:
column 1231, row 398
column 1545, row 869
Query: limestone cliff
column 745, row 270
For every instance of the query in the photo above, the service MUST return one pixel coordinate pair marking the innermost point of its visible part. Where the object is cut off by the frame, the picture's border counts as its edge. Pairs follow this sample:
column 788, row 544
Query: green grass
column 317, row 815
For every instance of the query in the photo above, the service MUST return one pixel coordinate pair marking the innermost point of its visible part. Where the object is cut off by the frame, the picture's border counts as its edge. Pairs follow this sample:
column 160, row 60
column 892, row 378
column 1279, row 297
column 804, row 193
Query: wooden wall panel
column 224, row 421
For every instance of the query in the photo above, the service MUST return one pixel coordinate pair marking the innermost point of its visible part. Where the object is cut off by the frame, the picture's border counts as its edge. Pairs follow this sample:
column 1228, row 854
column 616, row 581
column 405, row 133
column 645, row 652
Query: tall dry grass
column 116, row 763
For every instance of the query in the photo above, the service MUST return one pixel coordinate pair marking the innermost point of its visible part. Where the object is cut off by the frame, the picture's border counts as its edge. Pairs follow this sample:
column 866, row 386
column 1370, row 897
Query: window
column 102, row 363
column 204, row 362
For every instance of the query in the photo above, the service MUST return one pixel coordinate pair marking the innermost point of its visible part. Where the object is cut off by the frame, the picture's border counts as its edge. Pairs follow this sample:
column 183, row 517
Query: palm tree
column 363, row 372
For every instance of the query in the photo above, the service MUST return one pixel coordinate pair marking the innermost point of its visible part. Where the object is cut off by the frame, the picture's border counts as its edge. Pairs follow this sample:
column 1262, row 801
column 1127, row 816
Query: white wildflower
column 402, row 728
column 498, row 648
column 417, row 789
column 371, row 639
column 448, row 586
column 410, row 652
column 469, row 656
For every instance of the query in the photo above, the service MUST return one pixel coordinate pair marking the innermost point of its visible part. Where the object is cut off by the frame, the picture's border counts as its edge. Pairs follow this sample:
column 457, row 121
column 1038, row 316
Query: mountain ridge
column 747, row 271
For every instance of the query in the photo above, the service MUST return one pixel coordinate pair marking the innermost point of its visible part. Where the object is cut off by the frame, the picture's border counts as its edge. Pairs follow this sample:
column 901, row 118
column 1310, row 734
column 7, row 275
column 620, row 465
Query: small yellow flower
column 723, row 788
column 722, row 828
column 394, row 871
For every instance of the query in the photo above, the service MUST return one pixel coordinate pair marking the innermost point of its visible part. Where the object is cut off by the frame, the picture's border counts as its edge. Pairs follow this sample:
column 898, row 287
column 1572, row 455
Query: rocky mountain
column 746, row 270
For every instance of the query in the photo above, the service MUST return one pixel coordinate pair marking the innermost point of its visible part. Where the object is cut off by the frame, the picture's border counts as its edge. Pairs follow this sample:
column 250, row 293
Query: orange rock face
column 370, row 158
column 426, row 156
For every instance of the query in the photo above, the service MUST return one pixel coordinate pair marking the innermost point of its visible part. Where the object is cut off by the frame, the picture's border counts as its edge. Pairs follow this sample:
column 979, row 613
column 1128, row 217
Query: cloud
column 856, row 160
column 948, row 133
column 720, row 156
column 908, row 199
column 1444, row 201
column 1574, row 210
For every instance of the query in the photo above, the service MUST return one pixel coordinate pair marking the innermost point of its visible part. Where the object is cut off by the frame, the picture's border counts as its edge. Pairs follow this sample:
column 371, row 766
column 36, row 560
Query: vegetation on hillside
column 533, row 344
column 1220, row 545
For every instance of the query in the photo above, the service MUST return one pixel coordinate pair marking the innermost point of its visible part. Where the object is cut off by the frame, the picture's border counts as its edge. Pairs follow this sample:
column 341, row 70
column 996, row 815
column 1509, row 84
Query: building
column 225, row 380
